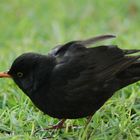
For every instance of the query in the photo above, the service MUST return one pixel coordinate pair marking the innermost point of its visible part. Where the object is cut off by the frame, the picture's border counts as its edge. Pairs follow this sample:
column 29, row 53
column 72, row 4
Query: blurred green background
column 40, row 25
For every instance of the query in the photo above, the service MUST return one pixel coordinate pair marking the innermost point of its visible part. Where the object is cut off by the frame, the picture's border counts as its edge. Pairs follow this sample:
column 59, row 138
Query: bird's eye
column 20, row 74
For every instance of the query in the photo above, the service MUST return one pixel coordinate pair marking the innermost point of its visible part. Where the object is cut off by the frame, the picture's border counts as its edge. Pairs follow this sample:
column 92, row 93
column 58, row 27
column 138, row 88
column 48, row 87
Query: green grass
column 38, row 26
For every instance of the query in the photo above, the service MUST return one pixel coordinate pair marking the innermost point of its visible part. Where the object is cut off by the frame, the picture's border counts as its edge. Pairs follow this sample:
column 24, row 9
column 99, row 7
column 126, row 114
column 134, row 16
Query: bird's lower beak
column 4, row 75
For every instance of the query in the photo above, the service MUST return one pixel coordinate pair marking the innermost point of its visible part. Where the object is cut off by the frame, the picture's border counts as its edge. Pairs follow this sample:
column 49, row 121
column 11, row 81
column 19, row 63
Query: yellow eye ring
column 20, row 74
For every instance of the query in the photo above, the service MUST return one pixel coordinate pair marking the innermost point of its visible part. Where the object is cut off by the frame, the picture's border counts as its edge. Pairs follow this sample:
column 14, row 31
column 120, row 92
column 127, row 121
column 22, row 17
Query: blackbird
column 74, row 81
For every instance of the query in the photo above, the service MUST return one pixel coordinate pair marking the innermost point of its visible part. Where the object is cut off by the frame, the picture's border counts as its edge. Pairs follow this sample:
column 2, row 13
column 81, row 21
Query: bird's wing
column 61, row 49
column 80, row 68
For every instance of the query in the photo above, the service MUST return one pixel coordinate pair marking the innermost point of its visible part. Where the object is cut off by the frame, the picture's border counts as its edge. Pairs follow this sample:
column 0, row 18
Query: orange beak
column 4, row 75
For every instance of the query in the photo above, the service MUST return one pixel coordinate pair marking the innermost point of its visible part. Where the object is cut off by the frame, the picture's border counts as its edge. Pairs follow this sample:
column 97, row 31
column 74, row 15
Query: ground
column 40, row 25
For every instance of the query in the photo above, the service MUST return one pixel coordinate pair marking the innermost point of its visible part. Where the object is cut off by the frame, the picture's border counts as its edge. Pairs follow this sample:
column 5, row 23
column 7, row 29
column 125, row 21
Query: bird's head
column 26, row 71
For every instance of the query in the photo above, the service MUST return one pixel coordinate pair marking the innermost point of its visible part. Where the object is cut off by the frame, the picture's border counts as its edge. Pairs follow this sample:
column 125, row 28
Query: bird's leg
column 59, row 125
column 88, row 120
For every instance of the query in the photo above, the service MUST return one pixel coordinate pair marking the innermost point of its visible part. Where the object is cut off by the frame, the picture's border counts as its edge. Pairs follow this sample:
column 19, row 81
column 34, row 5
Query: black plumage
column 74, row 81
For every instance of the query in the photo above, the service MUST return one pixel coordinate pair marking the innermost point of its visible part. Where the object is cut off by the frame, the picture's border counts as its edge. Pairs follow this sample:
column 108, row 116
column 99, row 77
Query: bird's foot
column 54, row 127
column 57, row 126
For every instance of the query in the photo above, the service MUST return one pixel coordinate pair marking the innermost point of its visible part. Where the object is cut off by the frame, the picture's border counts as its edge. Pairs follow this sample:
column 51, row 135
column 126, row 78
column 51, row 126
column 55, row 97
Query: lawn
column 40, row 25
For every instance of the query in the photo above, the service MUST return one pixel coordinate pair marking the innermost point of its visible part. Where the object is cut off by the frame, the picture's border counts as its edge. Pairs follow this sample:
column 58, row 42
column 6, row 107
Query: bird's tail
column 132, row 73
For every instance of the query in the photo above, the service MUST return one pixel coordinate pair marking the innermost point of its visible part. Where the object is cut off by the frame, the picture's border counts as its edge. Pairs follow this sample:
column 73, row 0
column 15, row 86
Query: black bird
column 74, row 81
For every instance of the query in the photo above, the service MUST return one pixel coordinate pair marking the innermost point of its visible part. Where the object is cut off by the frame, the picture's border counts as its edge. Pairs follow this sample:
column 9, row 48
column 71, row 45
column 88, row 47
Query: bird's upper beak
column 4, row 75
